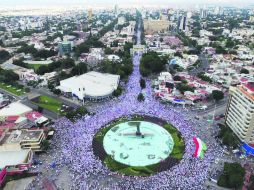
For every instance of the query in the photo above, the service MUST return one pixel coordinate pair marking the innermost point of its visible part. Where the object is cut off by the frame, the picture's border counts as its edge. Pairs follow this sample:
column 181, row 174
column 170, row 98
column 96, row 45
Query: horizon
column 109, row 3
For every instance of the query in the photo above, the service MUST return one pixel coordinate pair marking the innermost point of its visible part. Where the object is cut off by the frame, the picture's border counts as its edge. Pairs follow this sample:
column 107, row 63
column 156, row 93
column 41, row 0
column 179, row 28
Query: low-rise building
column 21, row 140
column 91, row 85
column 14, row 162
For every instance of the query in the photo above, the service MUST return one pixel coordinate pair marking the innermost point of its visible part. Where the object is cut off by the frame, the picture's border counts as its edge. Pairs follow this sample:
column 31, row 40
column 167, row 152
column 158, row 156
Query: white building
column 15, row 109
column 121, row 20
column 115, row 58
column 92, row 85
column 240, row 112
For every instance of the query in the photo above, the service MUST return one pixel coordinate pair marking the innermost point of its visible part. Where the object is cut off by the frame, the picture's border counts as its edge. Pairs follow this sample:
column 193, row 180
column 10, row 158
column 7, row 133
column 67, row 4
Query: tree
column 178, row 54
column 73, row 115
column 79, row 69
column 45, row 145
column 233, row 24
column 8, row 76
column 4, row 55
column 45, row 53
column 27, row 90
column 50, row 86
column 204, row 77
column 151, row 63
column 220, row 50
column 217, row 95
column 232, row 176
column 244, row 71
column 56, row 91
column 177, row 78
column 230, row 43
column 19, row 62
column 117, row 92
column 228, row 137
column 182, row 87
column 108, row 51
column 141, row 97
column 27, row 49
column 114, row 43
column 142, row 83
column 40, row 109
column 42, row 70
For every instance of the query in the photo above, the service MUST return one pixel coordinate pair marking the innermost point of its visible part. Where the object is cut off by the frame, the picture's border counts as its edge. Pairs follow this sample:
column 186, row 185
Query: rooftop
column 249, row 86
column 14, row 109
column 12, row 158
column 21, row 135
column 94, row 83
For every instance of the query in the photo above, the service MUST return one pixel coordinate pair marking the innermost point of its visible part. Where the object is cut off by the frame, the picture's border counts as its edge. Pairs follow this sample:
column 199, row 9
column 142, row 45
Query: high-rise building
column 240, row 112
column 203, row 13
column 116, row 10
column 90, row 15
column 184, row 23
column 64, row 48
column 179, row 23
column 151, row 26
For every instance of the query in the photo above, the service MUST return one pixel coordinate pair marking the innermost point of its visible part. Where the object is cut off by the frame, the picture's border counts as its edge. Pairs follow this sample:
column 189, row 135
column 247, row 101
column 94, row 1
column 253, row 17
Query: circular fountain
column 138, row 143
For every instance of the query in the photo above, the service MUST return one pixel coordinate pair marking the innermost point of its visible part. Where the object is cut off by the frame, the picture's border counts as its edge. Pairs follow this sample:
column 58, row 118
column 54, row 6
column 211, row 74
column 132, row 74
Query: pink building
column 14, row 162
column 172, row 40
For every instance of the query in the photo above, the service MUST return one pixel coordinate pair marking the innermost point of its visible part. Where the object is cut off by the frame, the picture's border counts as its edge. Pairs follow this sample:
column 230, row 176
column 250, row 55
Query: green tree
column 27, row 90
column 40, row 109
column 141, row 97
column 151, row 63
column 228, row 137
column 177, row 78
column 220, row 50
column 45, row 145
column 79, row 69
column 232, row 24
column 142, row 83
column 19, row 62
column 183, row 87
column 4, row 55
column 56, row 91
column 114, row 43
column 42, row 70
column 108, row 51
column 8, row 76
column 217, row 95
column 117, row 92
column 27, row 49
column 230, row 43
column 244, row 71
column 233, row 176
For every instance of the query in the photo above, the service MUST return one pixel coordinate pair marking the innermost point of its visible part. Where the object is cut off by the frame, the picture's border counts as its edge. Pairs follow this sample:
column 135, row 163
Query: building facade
column 240, row 112
column 152, row 26
column 64, row 48
column 22, row 140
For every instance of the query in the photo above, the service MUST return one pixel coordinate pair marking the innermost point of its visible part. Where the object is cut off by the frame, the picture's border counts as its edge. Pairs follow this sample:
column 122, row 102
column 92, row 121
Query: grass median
column 48, row 103
column 12, row 89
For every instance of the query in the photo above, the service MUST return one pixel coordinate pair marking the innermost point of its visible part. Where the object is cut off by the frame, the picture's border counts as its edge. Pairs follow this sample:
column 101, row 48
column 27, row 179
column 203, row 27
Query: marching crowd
column 73, row 144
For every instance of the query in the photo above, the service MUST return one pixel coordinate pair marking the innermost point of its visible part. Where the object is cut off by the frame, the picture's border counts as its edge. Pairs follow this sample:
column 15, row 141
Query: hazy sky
column 119, row 2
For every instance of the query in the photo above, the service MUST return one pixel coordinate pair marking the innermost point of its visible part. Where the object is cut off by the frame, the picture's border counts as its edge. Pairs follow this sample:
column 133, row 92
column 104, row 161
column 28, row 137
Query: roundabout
column 89, row 162
column 139, row 145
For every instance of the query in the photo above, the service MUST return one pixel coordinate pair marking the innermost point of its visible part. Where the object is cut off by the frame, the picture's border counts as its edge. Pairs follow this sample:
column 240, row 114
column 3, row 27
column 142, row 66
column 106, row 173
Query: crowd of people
column 73, row 144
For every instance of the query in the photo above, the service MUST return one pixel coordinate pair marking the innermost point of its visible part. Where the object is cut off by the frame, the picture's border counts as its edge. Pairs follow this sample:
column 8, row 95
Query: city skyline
column 108, row 3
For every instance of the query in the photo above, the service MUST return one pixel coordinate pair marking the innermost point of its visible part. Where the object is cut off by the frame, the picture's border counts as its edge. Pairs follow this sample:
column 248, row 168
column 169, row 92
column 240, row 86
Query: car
column 222, row 115
column 235, row 151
